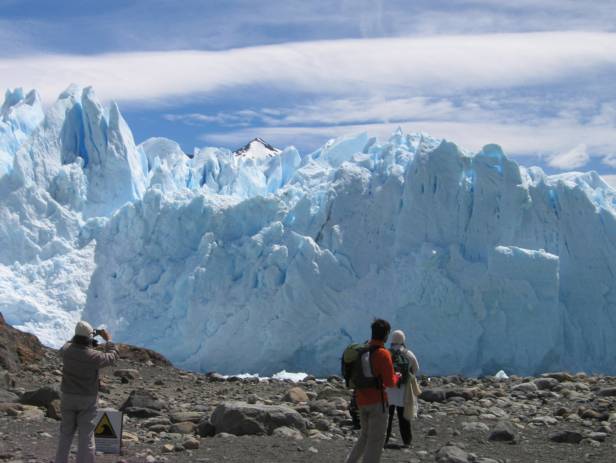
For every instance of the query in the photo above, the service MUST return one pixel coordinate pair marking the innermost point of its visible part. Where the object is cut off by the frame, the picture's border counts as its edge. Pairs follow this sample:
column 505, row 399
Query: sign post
column 108, row 430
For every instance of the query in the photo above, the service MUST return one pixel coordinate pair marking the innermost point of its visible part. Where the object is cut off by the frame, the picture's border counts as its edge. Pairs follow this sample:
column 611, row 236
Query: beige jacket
column 81, row 365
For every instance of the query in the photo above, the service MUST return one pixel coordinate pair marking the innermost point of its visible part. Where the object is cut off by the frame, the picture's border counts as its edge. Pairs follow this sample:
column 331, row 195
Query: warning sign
column 108, row 431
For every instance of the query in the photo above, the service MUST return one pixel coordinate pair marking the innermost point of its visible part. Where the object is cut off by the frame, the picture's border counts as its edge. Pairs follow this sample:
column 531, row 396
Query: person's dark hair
column 82, row 340
column 380, row 329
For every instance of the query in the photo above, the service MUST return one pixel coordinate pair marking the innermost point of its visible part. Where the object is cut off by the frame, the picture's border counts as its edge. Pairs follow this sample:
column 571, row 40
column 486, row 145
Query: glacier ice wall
column 259, row 263
column 274, row 265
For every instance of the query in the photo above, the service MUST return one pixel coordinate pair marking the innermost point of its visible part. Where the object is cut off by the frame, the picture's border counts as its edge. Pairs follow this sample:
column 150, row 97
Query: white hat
column 398, row 337
column 83, row 328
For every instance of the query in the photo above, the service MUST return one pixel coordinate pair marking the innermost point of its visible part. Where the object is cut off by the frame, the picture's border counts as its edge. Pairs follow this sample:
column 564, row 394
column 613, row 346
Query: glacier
column 263, row 259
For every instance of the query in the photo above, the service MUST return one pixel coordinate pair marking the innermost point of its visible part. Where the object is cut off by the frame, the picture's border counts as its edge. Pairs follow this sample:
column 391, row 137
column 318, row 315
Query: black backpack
column 401, row 364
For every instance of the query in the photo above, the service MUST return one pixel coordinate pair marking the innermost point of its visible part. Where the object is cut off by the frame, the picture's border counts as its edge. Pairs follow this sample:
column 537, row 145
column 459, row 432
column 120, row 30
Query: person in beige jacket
column 80, row 374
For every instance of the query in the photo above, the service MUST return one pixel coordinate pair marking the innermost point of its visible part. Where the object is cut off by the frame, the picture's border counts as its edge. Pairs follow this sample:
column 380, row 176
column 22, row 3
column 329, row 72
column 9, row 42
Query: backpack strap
column 378, row 379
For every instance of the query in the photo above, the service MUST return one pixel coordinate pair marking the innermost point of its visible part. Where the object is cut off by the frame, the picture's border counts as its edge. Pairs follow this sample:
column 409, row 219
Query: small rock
column 433, row 395
column 598, row 436
column 607, row 392
column 206, row 429
column 546, row 383
column 432, row 432
column 179, row 417
column 32, row 413
column 560, row 376
column 475, row 426
column 130, row 437
column 216, row 377
column 6, row 382
column 8, row 397
column 295, row 395
column 452, row 454
column 544, row 420
column 54, row 410
column 191, row 443
column 526, row 388
column 569, row 437
column 286, row 432
column 187, row 427
column 159, row 428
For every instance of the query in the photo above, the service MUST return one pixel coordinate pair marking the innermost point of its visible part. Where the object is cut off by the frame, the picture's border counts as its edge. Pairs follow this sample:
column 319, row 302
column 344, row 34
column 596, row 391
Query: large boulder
column 240, row 418
column 41, row 397
column 142, row 404
column 47, row 397
column 503, row 432
column 17, row 348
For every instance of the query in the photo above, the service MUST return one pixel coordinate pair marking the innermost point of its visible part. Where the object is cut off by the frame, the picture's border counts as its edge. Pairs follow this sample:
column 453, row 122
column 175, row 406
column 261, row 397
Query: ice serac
column 77, row 166
column 19, row 115
column 485, row 264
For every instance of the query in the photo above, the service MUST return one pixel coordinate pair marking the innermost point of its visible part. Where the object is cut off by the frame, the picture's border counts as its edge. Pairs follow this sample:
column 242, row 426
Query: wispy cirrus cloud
column 571, row 159
column 565, row 133
column 610, row 179
column 432, row 65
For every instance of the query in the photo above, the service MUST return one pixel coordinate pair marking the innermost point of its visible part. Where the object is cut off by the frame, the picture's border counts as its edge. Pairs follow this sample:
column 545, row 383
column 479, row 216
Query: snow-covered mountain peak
column 257, row 149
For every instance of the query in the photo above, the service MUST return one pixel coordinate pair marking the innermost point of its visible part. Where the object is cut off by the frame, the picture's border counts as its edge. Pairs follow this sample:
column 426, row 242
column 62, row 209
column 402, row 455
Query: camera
column 97, row 333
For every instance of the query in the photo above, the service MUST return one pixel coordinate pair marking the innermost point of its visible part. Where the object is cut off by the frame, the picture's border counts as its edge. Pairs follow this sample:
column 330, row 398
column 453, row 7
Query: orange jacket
column 383, row 368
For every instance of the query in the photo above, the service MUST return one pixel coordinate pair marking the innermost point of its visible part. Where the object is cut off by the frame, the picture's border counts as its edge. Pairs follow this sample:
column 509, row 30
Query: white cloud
column 572, row 159
column 425, row 65
column 609, row 160
column 610, row 179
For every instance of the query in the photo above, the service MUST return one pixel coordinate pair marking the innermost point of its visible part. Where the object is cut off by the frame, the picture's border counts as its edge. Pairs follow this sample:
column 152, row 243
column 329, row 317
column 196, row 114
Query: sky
column 534, row 76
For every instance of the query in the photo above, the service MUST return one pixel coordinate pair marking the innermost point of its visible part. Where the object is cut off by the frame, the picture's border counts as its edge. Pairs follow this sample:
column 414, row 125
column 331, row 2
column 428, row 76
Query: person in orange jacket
column 372, row 401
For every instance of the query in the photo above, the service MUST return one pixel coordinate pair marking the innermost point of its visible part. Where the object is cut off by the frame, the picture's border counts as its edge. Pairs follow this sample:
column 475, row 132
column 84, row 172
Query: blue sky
column 533, row 76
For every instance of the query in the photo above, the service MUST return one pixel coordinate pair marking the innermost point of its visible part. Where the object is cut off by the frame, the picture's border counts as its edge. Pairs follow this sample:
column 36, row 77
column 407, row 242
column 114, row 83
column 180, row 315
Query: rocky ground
column 173, row 415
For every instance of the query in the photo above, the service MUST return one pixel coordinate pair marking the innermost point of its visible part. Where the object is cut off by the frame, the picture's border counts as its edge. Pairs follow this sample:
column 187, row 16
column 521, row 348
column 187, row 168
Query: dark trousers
column 354, row 411
column 405, row 425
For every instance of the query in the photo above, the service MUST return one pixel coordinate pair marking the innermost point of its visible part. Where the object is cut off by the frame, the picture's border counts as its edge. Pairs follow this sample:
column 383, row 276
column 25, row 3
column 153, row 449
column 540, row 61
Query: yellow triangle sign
column 104, row 428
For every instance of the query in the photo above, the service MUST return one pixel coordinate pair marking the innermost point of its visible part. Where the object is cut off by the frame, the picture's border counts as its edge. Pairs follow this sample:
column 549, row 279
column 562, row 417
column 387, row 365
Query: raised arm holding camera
column 80, row 377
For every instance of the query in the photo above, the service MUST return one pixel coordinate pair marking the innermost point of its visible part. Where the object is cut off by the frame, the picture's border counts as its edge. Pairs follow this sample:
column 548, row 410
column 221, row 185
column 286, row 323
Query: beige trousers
column 370, row 443
column 78, row 414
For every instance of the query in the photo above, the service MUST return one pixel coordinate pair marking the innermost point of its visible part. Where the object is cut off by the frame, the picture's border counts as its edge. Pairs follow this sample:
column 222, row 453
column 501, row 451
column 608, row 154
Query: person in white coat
column 397, row 395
